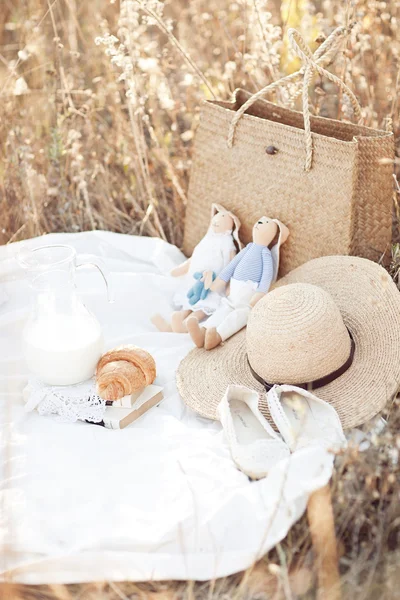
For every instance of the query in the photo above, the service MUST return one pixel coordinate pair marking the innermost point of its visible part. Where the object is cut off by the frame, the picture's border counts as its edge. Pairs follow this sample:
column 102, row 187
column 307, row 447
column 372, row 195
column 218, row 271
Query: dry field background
column 98, row 106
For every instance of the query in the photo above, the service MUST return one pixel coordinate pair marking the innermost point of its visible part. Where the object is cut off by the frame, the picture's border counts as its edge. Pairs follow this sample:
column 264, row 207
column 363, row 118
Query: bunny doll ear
column 236, row 227
column 275, row 250
column 216, row 208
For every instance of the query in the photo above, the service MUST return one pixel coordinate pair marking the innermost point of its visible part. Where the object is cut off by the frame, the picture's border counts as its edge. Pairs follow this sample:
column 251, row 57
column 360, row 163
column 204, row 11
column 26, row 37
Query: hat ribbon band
column 317, row 383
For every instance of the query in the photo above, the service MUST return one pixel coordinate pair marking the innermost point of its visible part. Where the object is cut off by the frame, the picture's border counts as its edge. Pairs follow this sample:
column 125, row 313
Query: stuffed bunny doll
column 250, row 274
column 210, row 256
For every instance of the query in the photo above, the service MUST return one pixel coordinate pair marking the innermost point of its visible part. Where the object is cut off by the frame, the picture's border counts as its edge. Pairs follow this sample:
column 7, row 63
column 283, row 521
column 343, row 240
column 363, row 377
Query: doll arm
column 266, row 277
column 267, row 271
column 256, row 297
column 181, row 269
column 207, row 279
column 206, row 289
column 229, row 270
column 218, row 285
column 226, row 273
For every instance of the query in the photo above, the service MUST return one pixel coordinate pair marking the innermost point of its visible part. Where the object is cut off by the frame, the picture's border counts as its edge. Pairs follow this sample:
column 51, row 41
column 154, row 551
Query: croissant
column 123, row 371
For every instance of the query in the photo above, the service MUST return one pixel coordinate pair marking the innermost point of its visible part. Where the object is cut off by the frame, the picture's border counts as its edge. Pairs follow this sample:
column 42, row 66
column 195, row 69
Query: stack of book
column 121, row 413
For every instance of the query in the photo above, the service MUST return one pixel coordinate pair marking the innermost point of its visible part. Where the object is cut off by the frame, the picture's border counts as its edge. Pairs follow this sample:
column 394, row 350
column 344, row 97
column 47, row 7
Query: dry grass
column 99, row 136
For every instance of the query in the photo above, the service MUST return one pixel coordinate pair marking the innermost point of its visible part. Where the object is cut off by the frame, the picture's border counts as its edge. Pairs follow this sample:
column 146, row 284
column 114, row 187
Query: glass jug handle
column 85, row 261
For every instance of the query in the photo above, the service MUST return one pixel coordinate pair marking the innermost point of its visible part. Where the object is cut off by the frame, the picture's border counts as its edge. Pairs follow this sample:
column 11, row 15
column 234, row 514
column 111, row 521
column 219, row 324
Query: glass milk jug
column 62, row 340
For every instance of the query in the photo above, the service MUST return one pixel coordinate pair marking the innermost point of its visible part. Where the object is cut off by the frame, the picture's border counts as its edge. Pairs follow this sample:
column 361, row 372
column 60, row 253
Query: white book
column 136, row 398
column 121, row 413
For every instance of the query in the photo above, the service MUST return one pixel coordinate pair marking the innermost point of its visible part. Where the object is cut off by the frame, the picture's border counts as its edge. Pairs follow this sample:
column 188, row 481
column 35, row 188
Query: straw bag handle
column 311, row 63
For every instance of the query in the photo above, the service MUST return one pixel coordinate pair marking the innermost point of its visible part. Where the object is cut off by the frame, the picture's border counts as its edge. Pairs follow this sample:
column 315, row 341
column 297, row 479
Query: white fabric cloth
column 232, row 314
column 212, row 253
column 161, row 499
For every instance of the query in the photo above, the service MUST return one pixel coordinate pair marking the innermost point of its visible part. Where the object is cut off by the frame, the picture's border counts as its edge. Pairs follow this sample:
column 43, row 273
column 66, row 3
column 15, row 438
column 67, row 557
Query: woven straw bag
column 330, row 182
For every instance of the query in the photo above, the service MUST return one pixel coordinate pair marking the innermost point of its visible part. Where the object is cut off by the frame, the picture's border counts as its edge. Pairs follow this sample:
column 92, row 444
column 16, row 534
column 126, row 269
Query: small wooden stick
column 322, row 529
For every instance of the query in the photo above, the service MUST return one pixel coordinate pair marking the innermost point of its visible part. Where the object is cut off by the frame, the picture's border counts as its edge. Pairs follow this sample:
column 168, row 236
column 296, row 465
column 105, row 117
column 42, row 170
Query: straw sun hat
column 331, row 325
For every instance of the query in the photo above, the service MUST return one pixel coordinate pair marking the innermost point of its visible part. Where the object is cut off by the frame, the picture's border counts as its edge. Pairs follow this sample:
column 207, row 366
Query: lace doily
column 69, row 403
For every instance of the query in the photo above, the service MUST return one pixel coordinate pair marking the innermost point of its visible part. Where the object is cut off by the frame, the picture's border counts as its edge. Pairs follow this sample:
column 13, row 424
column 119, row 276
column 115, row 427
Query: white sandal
column 305, row 420
column 254, row 445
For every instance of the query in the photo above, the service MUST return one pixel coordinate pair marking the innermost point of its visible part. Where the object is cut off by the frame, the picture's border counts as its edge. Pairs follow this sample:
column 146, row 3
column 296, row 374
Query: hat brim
column 369, row 302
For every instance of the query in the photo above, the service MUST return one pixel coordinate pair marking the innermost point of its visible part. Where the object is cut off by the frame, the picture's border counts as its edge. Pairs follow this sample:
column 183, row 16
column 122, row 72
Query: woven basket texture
column 343, row 205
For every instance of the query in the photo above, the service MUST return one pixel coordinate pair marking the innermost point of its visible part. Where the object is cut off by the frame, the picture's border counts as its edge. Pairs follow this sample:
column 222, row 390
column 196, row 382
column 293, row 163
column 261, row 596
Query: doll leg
column 161, row 323
column 197, row 314
column 219, row 315
column 177, row 321
column 212, row 339
column 196, row 332
column 234, row 322
column 235, row 319
column 192, row 323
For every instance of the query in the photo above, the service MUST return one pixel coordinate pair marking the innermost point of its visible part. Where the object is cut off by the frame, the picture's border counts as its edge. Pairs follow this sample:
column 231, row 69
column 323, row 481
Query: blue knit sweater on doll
column 253, row 263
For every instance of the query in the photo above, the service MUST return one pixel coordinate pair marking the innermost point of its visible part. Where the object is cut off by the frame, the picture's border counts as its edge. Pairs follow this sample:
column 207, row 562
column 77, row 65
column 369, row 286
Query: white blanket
column 160, row 499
